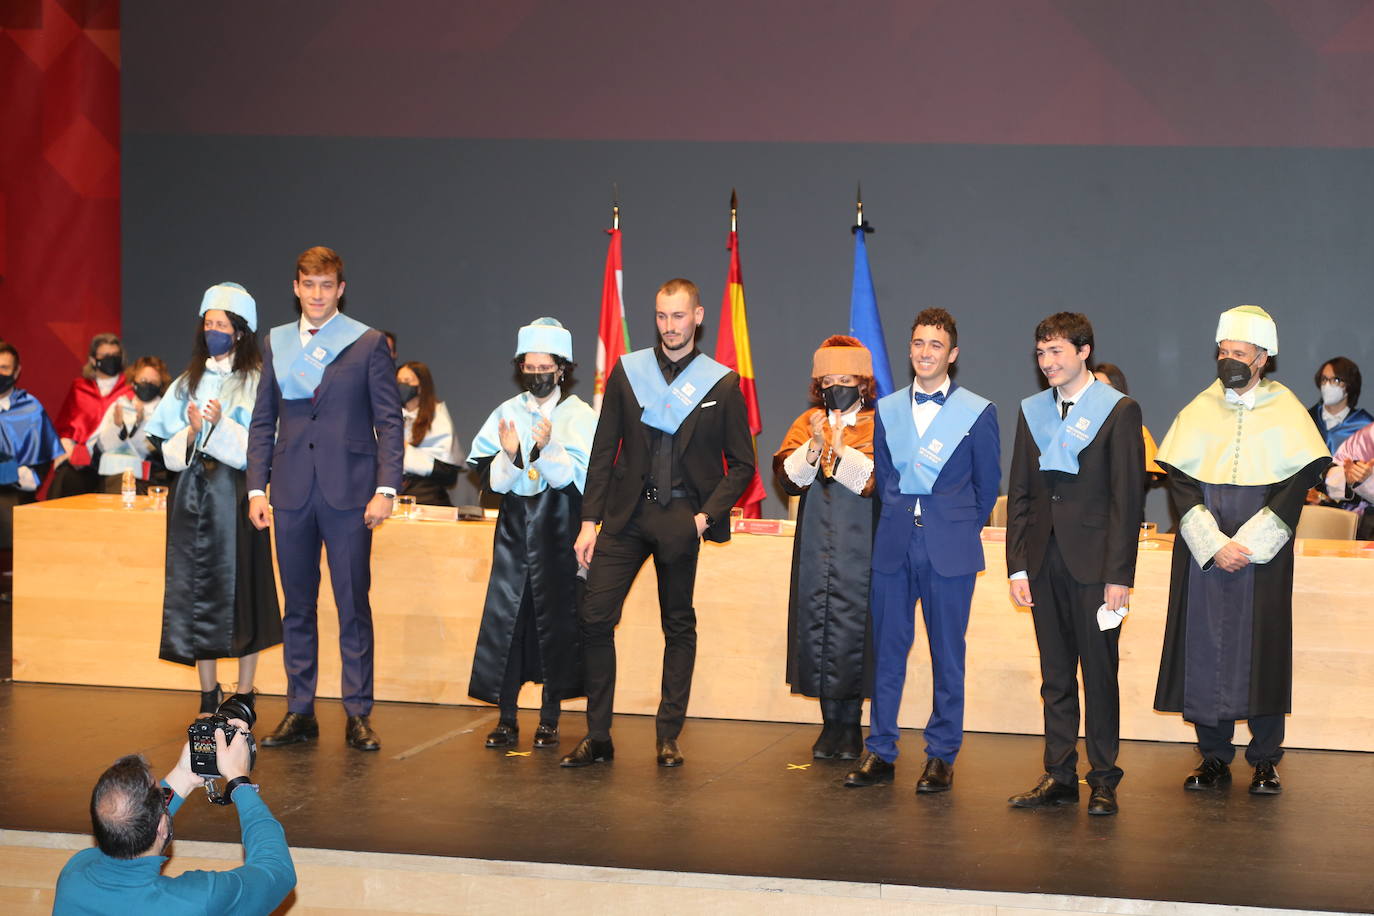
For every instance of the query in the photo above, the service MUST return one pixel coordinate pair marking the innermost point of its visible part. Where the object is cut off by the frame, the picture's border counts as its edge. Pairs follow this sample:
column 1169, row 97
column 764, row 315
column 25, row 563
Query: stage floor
column 749, row 801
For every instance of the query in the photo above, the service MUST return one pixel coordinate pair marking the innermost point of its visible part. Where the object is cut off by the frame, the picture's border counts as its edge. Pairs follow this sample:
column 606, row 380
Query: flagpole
column 615, row 206
column 860, row 224
column 734, row 208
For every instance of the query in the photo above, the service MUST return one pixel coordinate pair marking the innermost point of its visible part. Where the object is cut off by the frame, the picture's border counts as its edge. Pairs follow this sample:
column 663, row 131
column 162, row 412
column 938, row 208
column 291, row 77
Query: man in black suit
column 1074, row 505
column 672, row 454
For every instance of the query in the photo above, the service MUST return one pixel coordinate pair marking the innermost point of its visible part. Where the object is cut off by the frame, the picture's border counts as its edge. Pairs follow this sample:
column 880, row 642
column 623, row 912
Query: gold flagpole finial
column 734, row 208
column 615, row 205
column 859, row 205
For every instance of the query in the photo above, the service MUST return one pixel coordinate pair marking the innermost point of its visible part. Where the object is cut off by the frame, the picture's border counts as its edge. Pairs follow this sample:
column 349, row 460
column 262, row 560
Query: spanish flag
column 732, row 349
column 613, row 335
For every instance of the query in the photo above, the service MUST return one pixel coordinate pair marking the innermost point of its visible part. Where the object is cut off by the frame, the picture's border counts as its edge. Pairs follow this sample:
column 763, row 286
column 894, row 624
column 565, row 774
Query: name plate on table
column 767, row 526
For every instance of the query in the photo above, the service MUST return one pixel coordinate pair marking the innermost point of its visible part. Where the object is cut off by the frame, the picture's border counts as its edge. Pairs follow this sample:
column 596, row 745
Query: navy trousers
column 945, row 602
column 348, row 546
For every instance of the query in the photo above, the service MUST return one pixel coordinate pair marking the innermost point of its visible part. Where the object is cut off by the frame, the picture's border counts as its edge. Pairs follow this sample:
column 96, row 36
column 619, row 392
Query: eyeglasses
column 1332, row 378
column 547, row 368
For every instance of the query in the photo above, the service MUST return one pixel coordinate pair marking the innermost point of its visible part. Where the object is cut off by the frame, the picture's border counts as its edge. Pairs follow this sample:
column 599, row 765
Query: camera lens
column 238, row 706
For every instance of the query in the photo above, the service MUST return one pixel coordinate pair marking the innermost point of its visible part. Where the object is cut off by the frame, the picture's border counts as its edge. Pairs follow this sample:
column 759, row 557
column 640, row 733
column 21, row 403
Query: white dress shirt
column 923, row 414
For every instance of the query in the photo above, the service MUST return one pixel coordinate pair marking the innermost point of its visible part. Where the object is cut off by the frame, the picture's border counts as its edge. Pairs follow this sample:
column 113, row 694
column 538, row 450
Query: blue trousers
column 348, row 545
column 945, row 602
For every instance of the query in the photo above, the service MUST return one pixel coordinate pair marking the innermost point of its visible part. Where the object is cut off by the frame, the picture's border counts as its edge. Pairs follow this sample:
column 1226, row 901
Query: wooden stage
column 88, row 596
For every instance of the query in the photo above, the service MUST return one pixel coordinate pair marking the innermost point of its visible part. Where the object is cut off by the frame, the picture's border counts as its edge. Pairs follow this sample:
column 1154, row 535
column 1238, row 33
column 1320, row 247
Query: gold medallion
column 532, row 474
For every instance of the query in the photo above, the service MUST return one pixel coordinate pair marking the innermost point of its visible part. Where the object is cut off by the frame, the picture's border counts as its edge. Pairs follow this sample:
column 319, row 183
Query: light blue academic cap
column 544, row 335
column 231, row 298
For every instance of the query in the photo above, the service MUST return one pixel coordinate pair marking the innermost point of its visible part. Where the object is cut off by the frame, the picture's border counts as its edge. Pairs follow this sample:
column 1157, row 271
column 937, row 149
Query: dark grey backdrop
column 454, row 243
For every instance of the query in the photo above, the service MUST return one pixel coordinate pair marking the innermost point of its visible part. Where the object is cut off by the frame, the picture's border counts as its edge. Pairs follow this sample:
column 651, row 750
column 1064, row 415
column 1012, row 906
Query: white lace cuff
column 1264, row 534
column 798, row 470
column 854, row 470
column 1201, row 534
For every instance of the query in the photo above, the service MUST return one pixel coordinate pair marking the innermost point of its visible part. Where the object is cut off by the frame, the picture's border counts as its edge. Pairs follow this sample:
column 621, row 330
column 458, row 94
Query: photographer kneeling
column 132, row 819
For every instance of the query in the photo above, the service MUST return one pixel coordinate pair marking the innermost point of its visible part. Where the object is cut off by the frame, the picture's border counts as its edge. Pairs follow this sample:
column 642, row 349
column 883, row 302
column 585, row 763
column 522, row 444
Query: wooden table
column 88, row 579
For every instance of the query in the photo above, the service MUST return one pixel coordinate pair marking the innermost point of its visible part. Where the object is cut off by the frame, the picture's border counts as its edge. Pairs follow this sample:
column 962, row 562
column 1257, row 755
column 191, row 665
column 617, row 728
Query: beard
column 686, row 341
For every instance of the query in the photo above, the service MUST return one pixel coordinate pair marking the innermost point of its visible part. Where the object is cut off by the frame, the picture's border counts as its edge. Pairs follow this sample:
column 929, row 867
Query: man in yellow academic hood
column 1240, row 458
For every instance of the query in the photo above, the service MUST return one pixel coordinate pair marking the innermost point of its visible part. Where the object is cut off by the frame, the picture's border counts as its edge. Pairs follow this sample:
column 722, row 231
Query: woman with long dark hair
column 431, row 456
column 220, row 599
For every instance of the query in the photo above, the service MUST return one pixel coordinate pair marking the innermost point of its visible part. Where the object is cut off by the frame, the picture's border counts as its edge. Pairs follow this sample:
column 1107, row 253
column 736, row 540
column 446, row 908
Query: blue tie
column 938, row 397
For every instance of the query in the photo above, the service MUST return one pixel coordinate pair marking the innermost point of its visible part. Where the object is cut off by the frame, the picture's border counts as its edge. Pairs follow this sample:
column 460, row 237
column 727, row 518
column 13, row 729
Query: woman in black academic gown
column 220, row 599
column 533, row 450
column 827, row 460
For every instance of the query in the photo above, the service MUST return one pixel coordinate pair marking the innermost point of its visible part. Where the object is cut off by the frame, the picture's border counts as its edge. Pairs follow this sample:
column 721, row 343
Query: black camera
column 202, row 734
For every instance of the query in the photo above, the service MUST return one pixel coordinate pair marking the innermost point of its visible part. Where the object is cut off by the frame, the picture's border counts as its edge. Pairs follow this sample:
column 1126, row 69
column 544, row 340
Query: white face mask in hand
column 1109, row 620
column 1332, row 393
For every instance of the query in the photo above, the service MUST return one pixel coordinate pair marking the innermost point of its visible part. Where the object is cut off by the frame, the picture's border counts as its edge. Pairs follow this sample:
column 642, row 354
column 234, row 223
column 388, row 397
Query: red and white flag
column 613, row 335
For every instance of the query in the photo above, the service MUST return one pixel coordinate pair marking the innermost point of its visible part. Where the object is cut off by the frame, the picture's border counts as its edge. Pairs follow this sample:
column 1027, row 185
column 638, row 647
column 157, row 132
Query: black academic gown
column 220, row 598
column 829, row 644
column 532, row 565
column 1262, row 682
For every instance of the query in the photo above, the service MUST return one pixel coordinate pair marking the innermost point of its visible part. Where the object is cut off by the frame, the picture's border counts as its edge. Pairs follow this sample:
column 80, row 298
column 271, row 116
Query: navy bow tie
column 938, row 397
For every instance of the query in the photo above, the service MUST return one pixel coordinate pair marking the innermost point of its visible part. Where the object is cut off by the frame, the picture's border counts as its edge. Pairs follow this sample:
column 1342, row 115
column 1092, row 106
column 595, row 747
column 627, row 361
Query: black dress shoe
column 828, row 743
column 295, row 727
column 546, row 736
column 938, row 777
column 1266, row 781
column 668, row 753
column 851, row 745
column 504, row 735
column 589, row 751
column 1102, row 801
column 872, row 771
column 1210, row 774
column 1046, row 794
column 359, row 734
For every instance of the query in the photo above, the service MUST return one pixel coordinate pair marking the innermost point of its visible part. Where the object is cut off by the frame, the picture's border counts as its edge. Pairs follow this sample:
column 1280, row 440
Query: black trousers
column 523, row 664
column 668, row 534
column 1065, row 615
column 1266, row 740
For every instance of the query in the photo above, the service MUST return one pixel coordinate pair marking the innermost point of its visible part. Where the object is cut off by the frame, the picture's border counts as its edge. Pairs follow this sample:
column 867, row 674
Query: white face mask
column 1332, row 393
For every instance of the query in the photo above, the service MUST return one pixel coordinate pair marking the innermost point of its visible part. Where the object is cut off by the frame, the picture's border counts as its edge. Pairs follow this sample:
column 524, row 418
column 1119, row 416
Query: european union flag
column 864, row 322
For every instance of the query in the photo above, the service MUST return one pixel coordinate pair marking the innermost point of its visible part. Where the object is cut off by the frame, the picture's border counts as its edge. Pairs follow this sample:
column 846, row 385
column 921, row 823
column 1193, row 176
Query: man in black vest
column 672, row 454
column 1074, row 504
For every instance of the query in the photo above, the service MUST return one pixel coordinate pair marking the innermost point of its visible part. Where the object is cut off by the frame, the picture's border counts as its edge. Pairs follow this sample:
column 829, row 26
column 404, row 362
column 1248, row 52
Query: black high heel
column 210, row 700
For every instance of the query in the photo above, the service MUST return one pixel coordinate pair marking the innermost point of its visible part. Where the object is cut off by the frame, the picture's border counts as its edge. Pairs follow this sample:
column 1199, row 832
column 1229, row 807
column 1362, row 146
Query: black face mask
column 146, row 391
column 840, row 397
column 1233, row 373
column 110, row 365
column 6, row 383
column 407, row 392
column 540, row 384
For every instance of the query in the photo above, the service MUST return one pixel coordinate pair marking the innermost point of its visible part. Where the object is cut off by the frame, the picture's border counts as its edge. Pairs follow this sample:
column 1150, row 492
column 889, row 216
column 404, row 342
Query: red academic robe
column 81, row 413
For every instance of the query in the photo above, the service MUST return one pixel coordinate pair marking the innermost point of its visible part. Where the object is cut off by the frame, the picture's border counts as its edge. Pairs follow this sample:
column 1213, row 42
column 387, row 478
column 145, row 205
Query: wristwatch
column 234, row 783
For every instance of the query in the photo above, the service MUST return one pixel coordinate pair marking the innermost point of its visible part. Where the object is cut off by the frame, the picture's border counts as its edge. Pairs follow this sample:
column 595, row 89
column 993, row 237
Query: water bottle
column 128, row 489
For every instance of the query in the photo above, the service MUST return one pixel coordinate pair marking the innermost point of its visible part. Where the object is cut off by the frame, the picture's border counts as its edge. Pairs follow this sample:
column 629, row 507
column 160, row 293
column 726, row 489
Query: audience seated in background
column 1349, row 483
column 120, row 442
column 100, row 384
column 1335, row 413
column 432, row 456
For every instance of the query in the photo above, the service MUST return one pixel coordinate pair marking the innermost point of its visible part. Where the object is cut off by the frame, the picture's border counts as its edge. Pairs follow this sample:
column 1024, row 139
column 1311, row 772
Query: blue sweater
column 93, row 883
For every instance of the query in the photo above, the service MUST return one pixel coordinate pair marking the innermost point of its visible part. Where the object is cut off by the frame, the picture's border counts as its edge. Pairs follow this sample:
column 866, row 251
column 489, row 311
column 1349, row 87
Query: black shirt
column 659, row 440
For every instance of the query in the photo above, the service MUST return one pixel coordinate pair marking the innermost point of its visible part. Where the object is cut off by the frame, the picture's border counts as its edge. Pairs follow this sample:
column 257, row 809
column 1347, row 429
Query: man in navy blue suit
column 327, row 435
column 936, row 457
